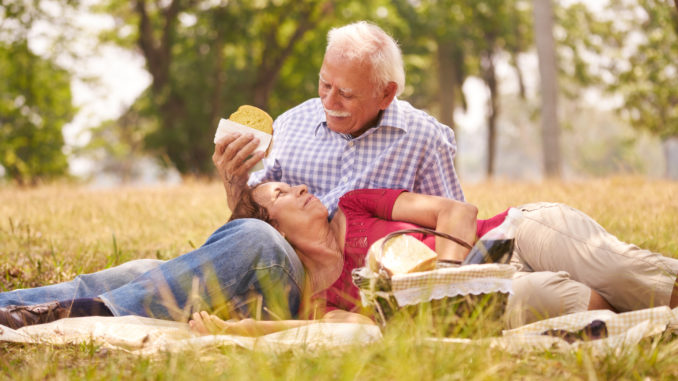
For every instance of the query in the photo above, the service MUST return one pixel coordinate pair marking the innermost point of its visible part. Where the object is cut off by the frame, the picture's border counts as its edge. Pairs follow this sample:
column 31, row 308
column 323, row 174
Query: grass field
column 52, row 233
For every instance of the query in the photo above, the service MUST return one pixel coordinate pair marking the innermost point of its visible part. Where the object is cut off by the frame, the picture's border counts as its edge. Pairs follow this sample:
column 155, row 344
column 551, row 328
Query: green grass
column 55, row 232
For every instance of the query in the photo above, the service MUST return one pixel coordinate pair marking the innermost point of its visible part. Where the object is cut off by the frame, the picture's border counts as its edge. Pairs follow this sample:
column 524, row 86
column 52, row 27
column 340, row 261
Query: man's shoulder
column 418, row 120
column 310, row 108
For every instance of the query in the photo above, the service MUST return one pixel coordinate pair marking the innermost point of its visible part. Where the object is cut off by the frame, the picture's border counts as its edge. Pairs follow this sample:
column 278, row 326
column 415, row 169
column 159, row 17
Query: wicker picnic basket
column 449, row 294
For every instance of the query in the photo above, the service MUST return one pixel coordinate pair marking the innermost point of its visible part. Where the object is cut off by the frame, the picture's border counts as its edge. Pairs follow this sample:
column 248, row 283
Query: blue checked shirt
column 409, row 149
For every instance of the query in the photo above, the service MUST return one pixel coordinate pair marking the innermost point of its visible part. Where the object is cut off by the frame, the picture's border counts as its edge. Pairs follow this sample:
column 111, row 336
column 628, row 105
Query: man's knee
column 251, row 257
column 544, row 294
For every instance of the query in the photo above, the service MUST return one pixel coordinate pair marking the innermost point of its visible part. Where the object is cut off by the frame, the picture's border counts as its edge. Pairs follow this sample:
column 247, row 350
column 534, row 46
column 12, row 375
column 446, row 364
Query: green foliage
column 649, row 83
column 580, row 36
column 630, row 51
column 206, row 59
column 35, row 103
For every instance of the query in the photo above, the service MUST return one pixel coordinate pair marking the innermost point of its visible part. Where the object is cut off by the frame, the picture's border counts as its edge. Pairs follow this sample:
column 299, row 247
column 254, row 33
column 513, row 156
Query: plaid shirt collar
column 391, row 117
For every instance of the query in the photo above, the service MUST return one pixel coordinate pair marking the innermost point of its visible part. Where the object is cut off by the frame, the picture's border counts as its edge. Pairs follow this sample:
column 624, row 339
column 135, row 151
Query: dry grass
column 52, row 233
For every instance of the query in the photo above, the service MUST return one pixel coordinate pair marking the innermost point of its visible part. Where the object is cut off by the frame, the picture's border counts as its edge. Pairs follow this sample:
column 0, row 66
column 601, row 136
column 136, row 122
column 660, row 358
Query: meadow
column 52, row 233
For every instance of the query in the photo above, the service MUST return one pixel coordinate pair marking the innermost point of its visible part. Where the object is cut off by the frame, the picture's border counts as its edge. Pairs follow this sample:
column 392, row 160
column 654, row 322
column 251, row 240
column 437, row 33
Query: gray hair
column 368, row 42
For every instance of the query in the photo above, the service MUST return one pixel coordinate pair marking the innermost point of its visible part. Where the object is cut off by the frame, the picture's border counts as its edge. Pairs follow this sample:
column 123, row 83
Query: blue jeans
column 245, row 267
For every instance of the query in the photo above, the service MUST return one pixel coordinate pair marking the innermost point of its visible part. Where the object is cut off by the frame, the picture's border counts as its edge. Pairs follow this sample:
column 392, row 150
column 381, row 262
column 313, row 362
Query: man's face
column 352, row 102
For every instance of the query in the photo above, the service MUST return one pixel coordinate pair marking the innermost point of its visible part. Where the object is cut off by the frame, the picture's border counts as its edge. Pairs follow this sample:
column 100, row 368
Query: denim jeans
column 245, row 267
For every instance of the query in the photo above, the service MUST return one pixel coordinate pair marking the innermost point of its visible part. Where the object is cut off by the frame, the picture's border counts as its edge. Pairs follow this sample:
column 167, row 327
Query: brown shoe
column 19, row 316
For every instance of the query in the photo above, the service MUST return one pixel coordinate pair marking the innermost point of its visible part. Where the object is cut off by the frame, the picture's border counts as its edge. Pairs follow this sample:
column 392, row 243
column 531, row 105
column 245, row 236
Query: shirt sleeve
column 370, row 202
column 271, row 172
column 439, row 176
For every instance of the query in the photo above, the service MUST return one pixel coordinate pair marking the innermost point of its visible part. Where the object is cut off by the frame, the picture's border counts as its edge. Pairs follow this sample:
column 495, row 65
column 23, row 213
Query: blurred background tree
column 648, row 77
column 35, row 97
column 548, row 78
column 205, row 58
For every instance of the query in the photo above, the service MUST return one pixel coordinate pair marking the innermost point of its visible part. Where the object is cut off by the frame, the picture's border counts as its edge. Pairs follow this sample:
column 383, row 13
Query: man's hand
column 233, row 157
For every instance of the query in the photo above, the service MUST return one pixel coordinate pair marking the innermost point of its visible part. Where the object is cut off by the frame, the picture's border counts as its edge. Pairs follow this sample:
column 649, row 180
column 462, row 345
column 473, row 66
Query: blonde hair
column 364, row 41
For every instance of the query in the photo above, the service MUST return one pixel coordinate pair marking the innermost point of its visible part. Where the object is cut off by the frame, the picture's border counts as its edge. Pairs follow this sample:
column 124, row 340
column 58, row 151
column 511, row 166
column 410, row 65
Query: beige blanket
column 150, row 336
column 624, row 331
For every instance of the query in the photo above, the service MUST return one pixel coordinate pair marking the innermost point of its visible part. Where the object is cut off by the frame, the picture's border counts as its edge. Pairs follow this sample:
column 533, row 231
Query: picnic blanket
column 147, row 336
column 624, row 330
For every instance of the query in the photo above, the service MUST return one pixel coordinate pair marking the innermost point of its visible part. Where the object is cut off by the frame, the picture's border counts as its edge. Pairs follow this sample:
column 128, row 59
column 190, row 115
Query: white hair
column 364, row 41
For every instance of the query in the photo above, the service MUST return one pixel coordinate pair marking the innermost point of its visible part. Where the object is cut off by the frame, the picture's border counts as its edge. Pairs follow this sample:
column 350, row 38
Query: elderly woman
column 566, row 261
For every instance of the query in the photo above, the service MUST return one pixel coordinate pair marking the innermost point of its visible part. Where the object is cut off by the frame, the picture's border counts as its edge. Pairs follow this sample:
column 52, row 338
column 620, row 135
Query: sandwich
column 253, row 117
column 248, row 119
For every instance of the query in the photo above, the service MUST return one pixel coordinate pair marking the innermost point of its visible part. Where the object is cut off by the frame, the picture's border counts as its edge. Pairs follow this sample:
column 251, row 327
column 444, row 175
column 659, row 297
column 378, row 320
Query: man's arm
column 234, row 155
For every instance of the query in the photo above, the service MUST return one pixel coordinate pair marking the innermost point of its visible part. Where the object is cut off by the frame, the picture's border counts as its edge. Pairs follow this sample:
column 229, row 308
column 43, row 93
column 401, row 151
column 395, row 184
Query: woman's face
column 293, row 208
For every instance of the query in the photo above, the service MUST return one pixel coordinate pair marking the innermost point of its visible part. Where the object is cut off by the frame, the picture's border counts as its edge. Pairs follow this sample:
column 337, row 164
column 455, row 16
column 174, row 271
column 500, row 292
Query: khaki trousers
column 562, row 254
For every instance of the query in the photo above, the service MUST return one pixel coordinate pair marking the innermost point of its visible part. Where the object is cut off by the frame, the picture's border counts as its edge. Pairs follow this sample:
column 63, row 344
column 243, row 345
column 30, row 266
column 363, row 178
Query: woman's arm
column 442, row 214
column 205, row 323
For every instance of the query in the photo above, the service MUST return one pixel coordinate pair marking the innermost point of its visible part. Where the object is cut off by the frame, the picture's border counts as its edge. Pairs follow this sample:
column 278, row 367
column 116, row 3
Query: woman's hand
column 341, row 316
column 206, row 324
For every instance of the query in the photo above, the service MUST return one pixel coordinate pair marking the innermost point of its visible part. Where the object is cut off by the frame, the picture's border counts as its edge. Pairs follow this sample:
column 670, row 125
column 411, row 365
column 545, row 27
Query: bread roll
column 401, row 255
column 248, row 119
column 254, row 117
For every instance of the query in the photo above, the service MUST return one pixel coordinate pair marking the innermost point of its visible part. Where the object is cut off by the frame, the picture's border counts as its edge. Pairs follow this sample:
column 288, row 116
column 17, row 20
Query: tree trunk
column 447, row 83
column 219, row 75
column 157, row 51
column 490, row 78
column 543, row 29
column 519, row 75
column 671, row 155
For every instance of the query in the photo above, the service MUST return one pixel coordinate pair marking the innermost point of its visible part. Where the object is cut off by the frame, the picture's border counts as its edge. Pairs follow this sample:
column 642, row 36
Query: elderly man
column 355, row 135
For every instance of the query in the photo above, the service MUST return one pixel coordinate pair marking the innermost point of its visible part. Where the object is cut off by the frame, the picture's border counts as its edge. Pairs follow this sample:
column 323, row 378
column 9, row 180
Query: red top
column 368, row 218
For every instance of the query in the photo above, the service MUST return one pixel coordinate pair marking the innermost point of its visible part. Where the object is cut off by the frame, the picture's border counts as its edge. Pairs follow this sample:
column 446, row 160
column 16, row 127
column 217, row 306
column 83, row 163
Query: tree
column 543, row 25
column 464, row 38
column 35, row 98
column 207, row 58
column 649, row 81
column 438, row 39
column 35, row 103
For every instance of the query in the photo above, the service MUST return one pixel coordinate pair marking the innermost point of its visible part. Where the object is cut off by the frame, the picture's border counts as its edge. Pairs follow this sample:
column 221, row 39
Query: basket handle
column 429, row 232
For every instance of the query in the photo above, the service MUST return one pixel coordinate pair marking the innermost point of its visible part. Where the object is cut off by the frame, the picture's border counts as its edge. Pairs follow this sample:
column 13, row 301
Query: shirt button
column 344, row 179
column 350, row 144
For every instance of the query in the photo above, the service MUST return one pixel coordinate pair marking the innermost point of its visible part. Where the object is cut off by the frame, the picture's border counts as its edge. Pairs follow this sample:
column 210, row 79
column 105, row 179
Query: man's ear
column 388, row 94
